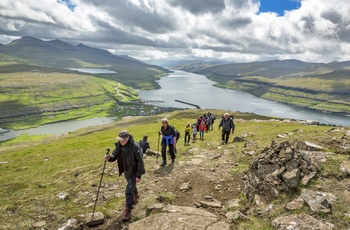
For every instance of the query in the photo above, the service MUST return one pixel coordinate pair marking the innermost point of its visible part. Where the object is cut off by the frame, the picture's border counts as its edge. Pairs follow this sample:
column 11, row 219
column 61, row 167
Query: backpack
column 177, row 133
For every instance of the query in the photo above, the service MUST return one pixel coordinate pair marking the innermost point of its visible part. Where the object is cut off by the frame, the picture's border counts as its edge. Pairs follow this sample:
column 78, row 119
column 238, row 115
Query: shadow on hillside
column 14, row 111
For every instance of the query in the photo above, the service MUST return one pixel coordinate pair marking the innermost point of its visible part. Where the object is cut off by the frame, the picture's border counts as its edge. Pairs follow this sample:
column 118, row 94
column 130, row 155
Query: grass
column 330, row 95
column 31, row 99
column 34, row 174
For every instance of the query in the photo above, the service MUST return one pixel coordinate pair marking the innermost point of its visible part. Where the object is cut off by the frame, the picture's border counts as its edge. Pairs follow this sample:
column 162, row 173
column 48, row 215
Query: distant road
column 183, row 102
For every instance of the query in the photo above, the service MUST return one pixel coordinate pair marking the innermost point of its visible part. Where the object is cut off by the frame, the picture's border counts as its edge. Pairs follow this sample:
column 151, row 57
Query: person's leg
column 172, row 153
column 163, row 154
column 129, row 198
column 222, row 137
column 227, row 136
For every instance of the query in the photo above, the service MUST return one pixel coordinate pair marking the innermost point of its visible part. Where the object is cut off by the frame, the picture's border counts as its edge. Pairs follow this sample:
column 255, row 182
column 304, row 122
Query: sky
column 207, row 30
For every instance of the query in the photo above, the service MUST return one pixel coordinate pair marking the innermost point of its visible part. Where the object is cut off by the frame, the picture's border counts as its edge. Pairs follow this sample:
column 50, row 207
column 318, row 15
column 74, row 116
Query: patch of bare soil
column 206, row 171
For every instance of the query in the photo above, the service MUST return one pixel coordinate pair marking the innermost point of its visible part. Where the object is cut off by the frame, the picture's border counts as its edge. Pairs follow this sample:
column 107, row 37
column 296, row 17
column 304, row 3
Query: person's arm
column 113, row 157
column 139, row 161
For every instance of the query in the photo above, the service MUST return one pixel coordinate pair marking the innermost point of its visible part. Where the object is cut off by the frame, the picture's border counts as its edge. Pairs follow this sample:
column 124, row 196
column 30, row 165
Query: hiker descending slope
column 169, row 139
column 227, row 124
column 128, row 154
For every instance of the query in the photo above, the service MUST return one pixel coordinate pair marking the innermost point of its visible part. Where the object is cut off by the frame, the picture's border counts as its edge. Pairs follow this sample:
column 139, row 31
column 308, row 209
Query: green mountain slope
column 33, row 99
column 318, row 86
column 59, row 54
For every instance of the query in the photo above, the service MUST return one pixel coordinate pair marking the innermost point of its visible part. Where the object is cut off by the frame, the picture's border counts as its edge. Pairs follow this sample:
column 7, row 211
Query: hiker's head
column 188, row 125
column 226, row 115
column 145, row 137
column 165, row 122
column 123, row 137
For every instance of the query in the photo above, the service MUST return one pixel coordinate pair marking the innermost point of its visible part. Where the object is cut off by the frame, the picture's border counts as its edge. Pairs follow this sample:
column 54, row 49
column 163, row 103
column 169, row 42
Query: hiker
column 194, row 132
column 169, row 139
column 227, row 124
column 144, row 144
column 128, row 154
column 187, row 134
column 202, row 129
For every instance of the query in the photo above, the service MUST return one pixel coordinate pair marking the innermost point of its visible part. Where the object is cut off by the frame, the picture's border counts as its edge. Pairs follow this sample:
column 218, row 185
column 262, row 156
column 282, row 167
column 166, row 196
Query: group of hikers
column 129, row 154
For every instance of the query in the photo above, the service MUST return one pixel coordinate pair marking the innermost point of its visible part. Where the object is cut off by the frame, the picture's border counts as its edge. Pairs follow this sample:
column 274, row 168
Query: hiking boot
column 136, row 198
column 173, row 160
column 163, row 164
column 127, row 214
column 222, row 142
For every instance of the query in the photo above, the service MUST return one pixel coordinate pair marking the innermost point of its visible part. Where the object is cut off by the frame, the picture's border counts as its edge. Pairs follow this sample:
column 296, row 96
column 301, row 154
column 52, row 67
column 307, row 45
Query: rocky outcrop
column 282, row 168
column 303, row 221
column 178, row 217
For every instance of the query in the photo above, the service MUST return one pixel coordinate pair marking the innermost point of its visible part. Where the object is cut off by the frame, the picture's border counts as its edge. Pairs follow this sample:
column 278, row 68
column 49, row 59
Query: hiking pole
column 98, row 190
column 157, row 149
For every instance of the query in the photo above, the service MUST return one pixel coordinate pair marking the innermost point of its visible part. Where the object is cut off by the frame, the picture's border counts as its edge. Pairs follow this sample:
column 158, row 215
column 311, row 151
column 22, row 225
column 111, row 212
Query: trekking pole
column 98, row 190
column 157, row 149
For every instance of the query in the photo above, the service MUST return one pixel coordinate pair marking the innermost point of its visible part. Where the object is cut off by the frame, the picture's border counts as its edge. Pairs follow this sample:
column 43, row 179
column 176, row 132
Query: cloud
column 232, row 30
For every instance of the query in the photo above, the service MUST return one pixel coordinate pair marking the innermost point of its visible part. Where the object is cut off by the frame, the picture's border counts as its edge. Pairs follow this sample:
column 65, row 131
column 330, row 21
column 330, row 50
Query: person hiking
column 202, row 129
column 227, row 125
column 194, row 132
column 169, row 139
column 144, row 144
column 187, row 134
column 128, row 154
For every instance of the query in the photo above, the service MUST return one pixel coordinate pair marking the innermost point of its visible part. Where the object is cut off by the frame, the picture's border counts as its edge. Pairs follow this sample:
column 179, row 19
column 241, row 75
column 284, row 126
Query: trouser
column 201, row 134
column 225, row 135
column 171, row 151
column 187, row 137
column 130, row 191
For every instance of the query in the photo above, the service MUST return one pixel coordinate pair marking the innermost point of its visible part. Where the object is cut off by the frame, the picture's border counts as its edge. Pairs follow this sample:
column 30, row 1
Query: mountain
column 58, row 54
column 317, row 86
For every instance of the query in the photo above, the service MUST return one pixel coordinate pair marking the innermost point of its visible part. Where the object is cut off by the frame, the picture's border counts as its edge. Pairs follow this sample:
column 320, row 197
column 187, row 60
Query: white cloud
column 151, row 29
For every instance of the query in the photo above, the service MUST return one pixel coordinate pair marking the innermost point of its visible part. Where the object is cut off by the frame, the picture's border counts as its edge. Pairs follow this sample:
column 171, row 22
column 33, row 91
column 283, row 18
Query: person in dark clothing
column 144, row 144
column 128, row 154
column 227, row 125
column 169, row 139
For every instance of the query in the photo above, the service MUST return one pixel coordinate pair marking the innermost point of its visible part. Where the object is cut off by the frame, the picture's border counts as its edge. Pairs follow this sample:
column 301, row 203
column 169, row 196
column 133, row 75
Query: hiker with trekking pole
column 128, row 154
column 168, row 139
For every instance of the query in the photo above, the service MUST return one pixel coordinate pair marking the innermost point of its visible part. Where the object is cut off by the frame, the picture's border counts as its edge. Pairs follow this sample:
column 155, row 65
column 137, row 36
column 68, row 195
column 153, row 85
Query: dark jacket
column 133, row 158
column 144, row 144
column 227, row 125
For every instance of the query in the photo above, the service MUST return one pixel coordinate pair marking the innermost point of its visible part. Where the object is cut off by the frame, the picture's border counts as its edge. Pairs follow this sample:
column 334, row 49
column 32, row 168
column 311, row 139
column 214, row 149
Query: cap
column 122, row 135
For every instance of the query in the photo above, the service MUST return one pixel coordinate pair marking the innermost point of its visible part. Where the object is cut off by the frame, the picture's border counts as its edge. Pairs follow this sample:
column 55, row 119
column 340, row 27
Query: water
column 199, row 90
column 59, row 128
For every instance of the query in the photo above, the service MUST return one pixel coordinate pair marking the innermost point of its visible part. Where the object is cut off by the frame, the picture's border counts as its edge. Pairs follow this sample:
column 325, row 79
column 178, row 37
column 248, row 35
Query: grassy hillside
column 58, row 54
column 318, row 86
column 29, row 99
column 34, row 174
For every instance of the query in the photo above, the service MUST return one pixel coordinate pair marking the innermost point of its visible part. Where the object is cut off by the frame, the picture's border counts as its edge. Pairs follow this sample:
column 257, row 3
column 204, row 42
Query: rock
column 185, row 186
column 345, row 167
column 313, row 147
column 63, row 195
column 72, row 224
column 307, row 178
column 178, row 217
column 295, row 204
column 292, row 178
column 233, row 203
column 303, row 221
column 157, row 207
column 98, row 219
column 233, row 217
column 318, row 201
column 39, row 224
column 211, row 204
column 238, row 139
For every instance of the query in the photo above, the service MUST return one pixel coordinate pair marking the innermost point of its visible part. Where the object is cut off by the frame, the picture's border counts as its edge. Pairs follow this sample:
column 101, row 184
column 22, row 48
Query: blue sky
column 206, row 30
column 278, row 6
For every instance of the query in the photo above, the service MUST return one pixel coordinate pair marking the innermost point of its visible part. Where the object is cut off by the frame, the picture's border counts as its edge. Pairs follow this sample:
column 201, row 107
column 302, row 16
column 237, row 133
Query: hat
column 122, row 135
